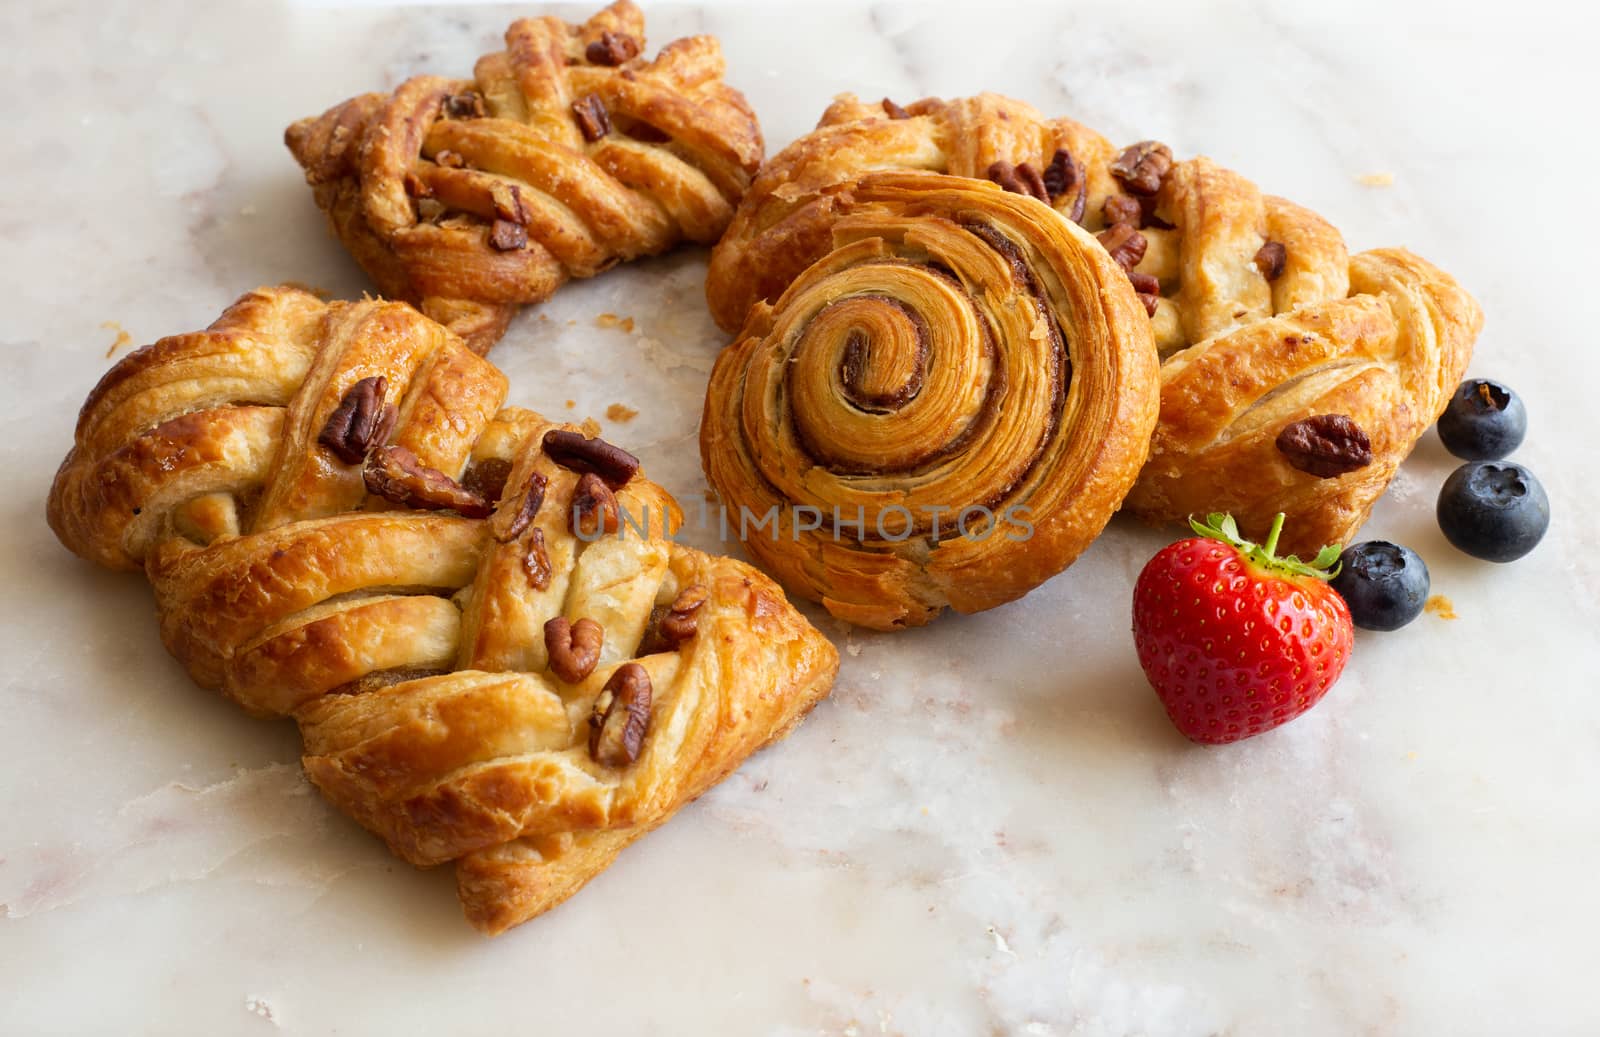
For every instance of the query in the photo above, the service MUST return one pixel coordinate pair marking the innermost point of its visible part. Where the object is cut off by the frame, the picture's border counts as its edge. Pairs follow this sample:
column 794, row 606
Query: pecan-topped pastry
column 474, row 682
column 1263, row 320
column 567, row 152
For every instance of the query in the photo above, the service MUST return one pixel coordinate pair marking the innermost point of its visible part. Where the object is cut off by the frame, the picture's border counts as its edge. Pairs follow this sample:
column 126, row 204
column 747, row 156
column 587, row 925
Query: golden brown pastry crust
column 1387, row 357
column 1234, row 280
column 566, row 153
column 410, row 644
column 960, row 347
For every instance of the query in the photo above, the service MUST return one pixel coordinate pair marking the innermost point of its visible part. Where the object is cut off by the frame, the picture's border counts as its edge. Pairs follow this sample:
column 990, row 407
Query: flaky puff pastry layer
column 942, row 411
column 411, row 644
column 566, row 153
column 1262, row 316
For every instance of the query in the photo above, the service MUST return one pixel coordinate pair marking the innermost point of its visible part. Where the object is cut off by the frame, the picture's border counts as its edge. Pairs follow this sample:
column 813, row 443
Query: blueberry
column 1384, row 584
column 1494, row 510
column 1483, row 421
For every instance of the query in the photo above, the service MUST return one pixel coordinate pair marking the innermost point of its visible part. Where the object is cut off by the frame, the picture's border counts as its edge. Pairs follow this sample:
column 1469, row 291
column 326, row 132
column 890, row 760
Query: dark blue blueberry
column 1494, row 510
column 1384, row 584
column 1483, row 421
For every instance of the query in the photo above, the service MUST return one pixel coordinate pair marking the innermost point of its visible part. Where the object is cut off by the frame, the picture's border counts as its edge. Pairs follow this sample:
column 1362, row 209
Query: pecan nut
column 681, row 621
column 1270, row 259
column 524, row 515
column 1141, row 167
column 468, row 104
column 621, row 717
column 573, row 648
column 1063, row 176
column 594, row 509
column 395, row 474
column 1121, row 208
column 1018, row 179
column 1126, row 245
column 1325, row 445
column 593, row 120
column 1148, row 289
column 536, row 561
column 574, row 451
column 612, row 49
column 894, row 111
column 359, row 421
column 507, row 236
column 488, row 478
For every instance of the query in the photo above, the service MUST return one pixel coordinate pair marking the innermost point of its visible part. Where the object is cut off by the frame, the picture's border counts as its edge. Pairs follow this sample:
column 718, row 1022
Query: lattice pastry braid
column 1297, row 377
column 943, row 410
column 495, row 655
column 565, row 154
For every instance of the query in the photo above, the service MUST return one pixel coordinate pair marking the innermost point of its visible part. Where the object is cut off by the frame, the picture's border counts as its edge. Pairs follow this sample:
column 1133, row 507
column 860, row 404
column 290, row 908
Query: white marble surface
column 990, row 828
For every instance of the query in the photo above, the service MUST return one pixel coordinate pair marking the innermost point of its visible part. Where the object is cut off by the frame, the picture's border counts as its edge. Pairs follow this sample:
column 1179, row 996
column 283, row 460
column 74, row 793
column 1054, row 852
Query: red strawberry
column 1235, row 640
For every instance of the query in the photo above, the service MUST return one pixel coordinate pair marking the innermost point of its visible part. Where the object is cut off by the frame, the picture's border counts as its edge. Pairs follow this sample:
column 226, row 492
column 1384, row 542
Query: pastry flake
column 566, row 153
column 474, row 682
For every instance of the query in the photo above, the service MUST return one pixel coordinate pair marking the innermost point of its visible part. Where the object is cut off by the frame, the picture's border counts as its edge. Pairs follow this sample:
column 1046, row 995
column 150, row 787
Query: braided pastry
column 495, row 654
column 944, row 410
column 567, row 153
column 1296, row 378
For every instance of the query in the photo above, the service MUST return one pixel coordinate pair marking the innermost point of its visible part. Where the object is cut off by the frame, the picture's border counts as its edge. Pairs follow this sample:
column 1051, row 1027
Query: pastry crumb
column 1376, row 179
column 122, row 339
column 1441, row 606
column 259, row 1006
column 571, row 404
column 852, row 648
column 620, row 412
column 611, row 320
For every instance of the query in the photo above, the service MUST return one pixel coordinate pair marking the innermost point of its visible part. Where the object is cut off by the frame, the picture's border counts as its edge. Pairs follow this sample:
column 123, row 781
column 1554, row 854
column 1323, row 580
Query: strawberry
column 1235, row 640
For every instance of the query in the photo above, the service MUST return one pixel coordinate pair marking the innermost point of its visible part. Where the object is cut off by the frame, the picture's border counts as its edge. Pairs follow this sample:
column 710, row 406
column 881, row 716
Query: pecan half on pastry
column 1141, row 167
column 1148, row 289
column 1270, row 259
column 680, row 623
column 595, row 511
column 507, row 236
column 612, row 48
column 536, row 562
column 1325, row 445
column 621, row 717
column 488, row 478
column 593, row 120
column 395, row 474
column 1064, row 176
column 1126, row 245
column 591, row 456
column 573, row 648
column 468, row 104
column 360, row 421
column 524, row 515
column 1021, row 178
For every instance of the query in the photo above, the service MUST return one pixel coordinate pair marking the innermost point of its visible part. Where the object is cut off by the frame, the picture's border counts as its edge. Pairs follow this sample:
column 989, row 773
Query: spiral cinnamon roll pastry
column 941, row 411
column 496, row 655
column 566, row 153
column 1296, row 378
